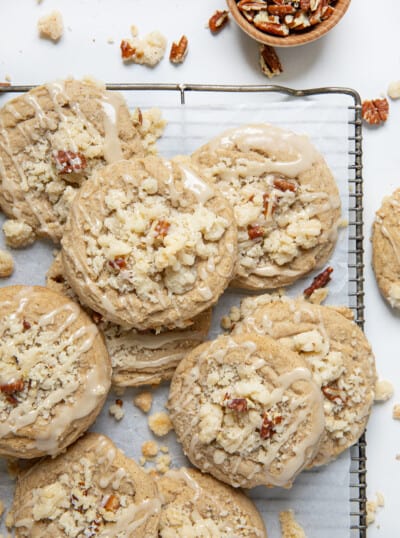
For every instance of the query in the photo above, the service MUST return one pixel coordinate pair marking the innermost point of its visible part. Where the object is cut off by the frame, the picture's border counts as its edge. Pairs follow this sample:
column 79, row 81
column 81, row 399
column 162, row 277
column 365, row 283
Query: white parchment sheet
column 320, row 497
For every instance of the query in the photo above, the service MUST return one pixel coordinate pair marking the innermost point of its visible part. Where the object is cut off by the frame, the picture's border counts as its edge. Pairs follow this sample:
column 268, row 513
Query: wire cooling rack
column 358, row 527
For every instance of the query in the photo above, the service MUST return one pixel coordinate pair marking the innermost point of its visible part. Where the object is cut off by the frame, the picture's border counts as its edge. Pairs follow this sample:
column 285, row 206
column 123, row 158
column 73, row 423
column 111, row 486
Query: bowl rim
column 294, row 39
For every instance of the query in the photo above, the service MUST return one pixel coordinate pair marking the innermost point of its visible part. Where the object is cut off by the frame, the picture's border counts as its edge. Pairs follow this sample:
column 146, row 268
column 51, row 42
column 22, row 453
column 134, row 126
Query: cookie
column 285, row 200
column 51, row 139
column 54, row 372
column 91, row 490
column 386, row 248
column 335, row 350
column 195, row 504
column 139, row 358
column 247, row 411
column 149, row 244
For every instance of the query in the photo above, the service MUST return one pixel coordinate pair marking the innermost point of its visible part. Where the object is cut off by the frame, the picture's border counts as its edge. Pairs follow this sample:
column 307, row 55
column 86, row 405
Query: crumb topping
column 143, row 401
column 149, row 51
column 18, row 233
column 160, row 423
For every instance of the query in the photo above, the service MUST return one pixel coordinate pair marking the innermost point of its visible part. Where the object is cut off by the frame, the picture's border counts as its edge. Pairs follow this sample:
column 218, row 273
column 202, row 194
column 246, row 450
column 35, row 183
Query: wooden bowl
column 295, row 38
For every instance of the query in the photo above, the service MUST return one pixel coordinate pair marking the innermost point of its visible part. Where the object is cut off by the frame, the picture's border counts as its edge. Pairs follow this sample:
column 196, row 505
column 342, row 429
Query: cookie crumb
column 372, row 507
column 318, row 296
column 51, row 26
column 111, row 41
column 143, row 401
column 6, row 264
column 151, row 126
column 142, row 460
column 148, row 51
column 383, row 390
column 18, row 234
column 1, row 508
column 164, row 449
column 160, row 423
column 163, row 463
column 397, row 457
column 149, row 449
column 7, row 78
column 134, row 31
column 13, row 468
column 289, row 526
column 226, row 323
column 9, row 520
column 116, row 411
column 396, row 411
column 393, row 90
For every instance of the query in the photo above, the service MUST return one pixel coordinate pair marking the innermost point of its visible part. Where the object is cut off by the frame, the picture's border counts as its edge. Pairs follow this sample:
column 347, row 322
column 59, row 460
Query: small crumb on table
column 149, row 449
column 18, row 233
column 383, row 390
column 163, row 463
column 143, row 401
column 51, row 26
column 116, row 411
column 6, row 264
column 160, row 423
column 396, row 411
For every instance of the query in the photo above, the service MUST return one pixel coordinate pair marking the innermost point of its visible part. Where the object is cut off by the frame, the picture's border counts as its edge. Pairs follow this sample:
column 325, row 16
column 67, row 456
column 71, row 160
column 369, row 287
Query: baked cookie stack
column 148, row 246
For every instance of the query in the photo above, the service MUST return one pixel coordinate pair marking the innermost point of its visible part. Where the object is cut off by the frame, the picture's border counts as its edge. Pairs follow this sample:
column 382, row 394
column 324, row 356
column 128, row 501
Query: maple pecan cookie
column 91, row 490
column 335, row 350
column 386, row 248
column 247, row 411
column 149, row 244
column 285, row 200
column 195, row 504
column 54, row 372
column 139, row 358
column 51, row 140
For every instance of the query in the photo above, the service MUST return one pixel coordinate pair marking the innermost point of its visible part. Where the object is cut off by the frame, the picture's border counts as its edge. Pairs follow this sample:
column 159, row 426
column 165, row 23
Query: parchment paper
column 320, row 497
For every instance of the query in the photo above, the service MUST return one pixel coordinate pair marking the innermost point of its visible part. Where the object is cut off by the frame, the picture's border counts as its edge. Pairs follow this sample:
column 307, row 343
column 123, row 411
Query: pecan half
column 254, row 231
column 179, row 50
column 376, row 111
column 15, row 386
column 112, row 503
column 69, row 161
column 250, row 5
column 319, row 281
column 117, row 263
column 237, row 404
column 269, row 61
column 218, row 21
column 284, row 185
column 272, row 28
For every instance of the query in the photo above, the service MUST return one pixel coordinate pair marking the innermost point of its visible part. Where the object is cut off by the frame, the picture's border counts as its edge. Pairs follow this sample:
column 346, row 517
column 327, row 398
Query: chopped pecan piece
column 272, row 28
column 117, row 264
column 218, row 21
column 250, row 5
column 269, row 61
column 112, row 503
column 333, row 394
column 127, row 51
column 319, row 281
column 376, row 111
column 282, row 10
column 11, row 399
column 97, row 318
column 267, row 427
column 26, row 325
column 15, row 386
column 138, row 117
column 284, row 185
column 119, row 402
column 237, row 404
column 254, row 231
column 162, row 228
column 69, row 161
column 266, row 203
column 179, row 50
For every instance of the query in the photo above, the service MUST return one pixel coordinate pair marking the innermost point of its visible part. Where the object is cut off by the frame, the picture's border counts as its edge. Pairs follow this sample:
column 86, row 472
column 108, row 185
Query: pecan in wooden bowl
column 287, row 23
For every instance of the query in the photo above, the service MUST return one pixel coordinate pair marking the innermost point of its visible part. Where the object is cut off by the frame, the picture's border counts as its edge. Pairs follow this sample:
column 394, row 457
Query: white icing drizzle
column 199, row 188
column 131, row 518
column 182, row 474
column 112, row 144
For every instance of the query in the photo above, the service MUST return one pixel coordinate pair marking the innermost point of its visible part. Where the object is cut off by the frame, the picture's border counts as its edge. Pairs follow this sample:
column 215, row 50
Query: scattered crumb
column 152, row 472
column 18, row 234
column 150, row 125
column 13, row 468
column 372, row 507
column 343, row 223
column 6, row 264
column 8, row 78
column 116, row 411
column 397, row 457
column 149, row 449
column 383, row 390
column 163, row 463
column 289, row 526
column 179, row 50
column 396, row 411
column 149, row 51
column 142, row 460
column 110, row 41
column 134, row 31
column 160, row 423
column 164, row 449
column 39, row 1
column 51, row 26
column 393, row 90
column 1, row 508
column 143, row 401
column 226, row 323
column 318, row 296
column 9, row 521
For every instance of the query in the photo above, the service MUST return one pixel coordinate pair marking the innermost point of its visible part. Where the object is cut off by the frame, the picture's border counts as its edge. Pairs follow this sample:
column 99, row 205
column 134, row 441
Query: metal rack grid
column 358, row 499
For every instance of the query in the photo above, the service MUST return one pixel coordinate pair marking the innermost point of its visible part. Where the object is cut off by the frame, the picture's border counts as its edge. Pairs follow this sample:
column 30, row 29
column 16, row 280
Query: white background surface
column 363, row 52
